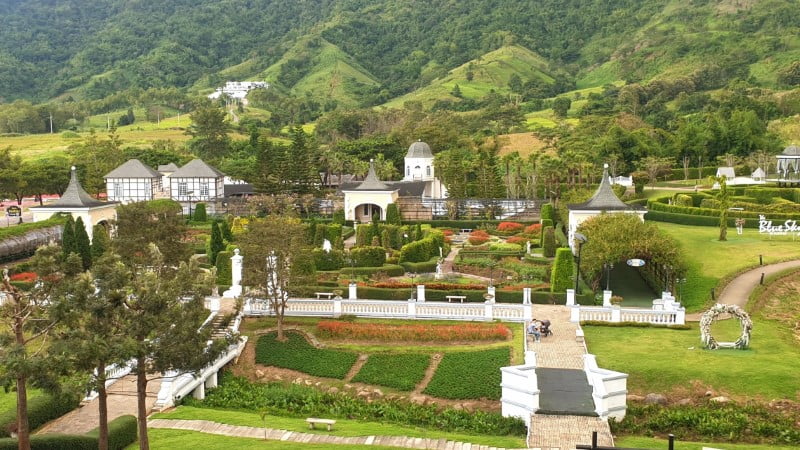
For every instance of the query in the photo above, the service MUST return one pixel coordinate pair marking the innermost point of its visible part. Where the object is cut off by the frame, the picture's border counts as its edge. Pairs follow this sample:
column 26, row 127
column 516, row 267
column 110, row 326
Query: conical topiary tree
column 215, row 243
column 100, row 241
column 225, row 229
column 561, row 274
column 82, row 244
column 393, row 214
column 549, row 242
column 68, row 237
column 200, row 214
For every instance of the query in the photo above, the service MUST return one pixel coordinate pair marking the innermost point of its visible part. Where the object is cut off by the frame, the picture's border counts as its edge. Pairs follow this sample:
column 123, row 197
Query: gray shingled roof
column 419, row 149
column 133, row 168
column 604, row 199
column 371, row 182
column 171, row 167
column 74, row 196
column 197, row 168
column 791, row 150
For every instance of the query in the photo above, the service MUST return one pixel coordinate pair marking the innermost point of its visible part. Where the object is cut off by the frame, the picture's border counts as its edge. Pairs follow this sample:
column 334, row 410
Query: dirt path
column 362, row 359
column 436, row 358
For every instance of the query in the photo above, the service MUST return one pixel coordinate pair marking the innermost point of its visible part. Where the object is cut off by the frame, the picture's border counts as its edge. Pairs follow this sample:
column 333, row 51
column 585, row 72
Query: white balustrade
column 640, row 315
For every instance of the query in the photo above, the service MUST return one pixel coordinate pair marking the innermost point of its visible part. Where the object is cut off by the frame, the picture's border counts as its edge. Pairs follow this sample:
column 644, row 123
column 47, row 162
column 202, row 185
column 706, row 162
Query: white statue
column 326, row 246
column 439, row 270
column 528, row 245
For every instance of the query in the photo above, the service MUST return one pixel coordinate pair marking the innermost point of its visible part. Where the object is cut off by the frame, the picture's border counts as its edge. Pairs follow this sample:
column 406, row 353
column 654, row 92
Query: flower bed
column 478, row 237
column 28, row 277
column 413, row 332
column 399, row 371
column 438, row 286
column 297, row 354
column 469, row 375
column 510, row 227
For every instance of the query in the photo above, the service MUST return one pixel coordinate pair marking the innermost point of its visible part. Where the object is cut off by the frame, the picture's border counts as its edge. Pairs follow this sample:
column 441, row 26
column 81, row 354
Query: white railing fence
column 609, row 389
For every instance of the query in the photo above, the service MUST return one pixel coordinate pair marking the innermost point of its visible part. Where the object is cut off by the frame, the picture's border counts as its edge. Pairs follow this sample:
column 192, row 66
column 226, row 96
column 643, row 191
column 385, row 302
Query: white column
column 570, row 297
column 526, row 296
column 574, row 313
column 412, row 308
column 236, row 275
column 487, row 309
column 606, row 298
column 337, row 307
column 420, row 293
column 680, row 316
column 211, row 381
column 527, row 312
column 199, row 392
column 352, row 291
column 616, row 314
column 491, row 291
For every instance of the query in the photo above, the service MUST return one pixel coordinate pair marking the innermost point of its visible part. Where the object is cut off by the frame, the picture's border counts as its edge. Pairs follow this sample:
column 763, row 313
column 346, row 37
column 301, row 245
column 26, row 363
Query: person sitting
column 534, row 330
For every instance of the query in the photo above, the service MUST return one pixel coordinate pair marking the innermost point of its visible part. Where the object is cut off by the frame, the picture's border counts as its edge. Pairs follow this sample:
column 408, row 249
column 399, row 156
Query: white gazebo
column 603, row 200
column 78, row 203
column 369, row 197
column 789, row 165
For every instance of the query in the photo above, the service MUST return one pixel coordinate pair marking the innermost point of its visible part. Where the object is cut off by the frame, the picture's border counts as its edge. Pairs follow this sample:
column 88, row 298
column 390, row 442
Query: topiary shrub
column 332, row 260
column 393, row 214
column 368, row 256
column 122, row 432
column 215, row 243
column 419, row 251
column 363, row 235
column 561, row 273
column 338, row 217
column 549, row 242
column 199, row 214
column 683, row 200
column 223, row 265
column 547, row 213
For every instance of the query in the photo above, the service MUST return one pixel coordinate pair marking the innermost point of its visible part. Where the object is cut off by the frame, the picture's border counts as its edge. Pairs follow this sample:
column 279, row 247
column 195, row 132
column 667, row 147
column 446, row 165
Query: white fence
column 395, row 309
column 619, row 314
column 609, row 389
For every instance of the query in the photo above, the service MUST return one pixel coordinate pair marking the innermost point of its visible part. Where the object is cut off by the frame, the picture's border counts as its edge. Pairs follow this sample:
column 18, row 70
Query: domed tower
column 419, row 162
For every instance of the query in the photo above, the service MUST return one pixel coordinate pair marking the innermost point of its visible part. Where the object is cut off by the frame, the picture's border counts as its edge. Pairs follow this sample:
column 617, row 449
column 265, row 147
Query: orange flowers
column 509, row 227
column 478, row 237
column 415, row 333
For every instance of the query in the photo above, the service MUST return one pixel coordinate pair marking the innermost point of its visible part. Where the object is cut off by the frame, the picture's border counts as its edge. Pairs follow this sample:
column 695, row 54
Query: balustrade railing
column 640, row 315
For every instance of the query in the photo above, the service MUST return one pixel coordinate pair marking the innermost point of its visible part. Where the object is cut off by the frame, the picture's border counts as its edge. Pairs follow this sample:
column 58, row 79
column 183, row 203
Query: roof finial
column 73, row 168
column 605, row 166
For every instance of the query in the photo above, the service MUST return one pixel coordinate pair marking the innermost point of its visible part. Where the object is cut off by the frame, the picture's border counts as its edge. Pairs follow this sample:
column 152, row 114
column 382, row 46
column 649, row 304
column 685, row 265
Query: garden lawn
column 658, row 360
column 297, row 354
column 710, row 260
column 8, row 400
column 647, row 442
column 343, row 427
column 194, row 440
column 399, row 371
column 469, row 375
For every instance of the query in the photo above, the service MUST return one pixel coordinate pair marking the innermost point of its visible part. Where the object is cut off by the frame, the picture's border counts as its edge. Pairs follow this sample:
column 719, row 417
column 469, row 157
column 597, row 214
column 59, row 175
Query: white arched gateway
column 369, row 197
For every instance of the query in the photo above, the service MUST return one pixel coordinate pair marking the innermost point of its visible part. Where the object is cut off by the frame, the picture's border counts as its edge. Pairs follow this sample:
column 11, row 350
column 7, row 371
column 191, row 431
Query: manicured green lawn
column 8, row 400
column 483, row 380
column 645, row 442
column 297, row 354
column 711, row 260
column 658, row 360
column 343, row 427
column 399, row 371
column 193, row 440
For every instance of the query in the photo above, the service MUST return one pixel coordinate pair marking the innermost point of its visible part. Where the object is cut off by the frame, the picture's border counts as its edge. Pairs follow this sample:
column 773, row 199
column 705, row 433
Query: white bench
column 579, row 335
column 453, row 297
column 327, row 295
column 466, row 230
column 312, row 421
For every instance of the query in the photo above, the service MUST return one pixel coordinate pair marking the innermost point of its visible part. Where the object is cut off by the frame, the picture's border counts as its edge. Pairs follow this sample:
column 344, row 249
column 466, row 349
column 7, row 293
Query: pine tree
column 418, row 233
column 200, row 214
column 225, row 229
column 68, row 237
column 101, row 242
column 393, row 214
column 215, row 243
column 82, row 244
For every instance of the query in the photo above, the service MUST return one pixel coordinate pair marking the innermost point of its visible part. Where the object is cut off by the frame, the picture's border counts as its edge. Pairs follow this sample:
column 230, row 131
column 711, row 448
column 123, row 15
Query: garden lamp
column 580, row 239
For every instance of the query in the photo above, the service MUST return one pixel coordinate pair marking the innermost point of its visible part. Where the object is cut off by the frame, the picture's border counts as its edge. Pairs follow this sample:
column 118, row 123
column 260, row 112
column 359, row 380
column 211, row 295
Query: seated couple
column 538, row 328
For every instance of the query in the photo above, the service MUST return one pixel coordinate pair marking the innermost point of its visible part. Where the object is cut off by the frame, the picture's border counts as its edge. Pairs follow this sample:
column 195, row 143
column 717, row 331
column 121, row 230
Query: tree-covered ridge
column 92, row 50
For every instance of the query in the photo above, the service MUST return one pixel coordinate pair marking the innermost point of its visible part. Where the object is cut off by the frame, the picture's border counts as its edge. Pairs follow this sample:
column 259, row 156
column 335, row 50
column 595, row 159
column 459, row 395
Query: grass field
column 8, row 400
column 646, row 442
column 711, row 260
column 192, row 440
column 343, row 427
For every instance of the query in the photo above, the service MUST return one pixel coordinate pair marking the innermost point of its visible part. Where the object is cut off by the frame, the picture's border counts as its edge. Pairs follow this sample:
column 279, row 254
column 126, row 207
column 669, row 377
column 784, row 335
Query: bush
column 332, row 260
column 683, row 200
column 391, row 270
column 368, row 256
column 297, row 354
column 484, row 380
column 561, row 276
column 421, row 267
column 547, row 213
column 414, row 332
column 41, row 410
column 509, row 227
column 54, row 441
column 224, row 275
column 549, row 242
column 516, row 240
column 122, row 432
column 399, row 371
column 199, row 214
column 424, row 249
column 393, row 214
column 534, row 229
column 338, row 216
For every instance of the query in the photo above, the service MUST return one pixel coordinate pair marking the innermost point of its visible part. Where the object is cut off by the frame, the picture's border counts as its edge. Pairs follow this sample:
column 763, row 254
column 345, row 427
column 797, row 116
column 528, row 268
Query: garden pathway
column 205, row 426
column 738, row 291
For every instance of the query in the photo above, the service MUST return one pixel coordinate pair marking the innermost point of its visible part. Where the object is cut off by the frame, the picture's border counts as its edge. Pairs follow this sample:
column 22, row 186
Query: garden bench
column 311, row 421
column 579, row 335
column 327, row 295
column 453, row 297
column 466, row 230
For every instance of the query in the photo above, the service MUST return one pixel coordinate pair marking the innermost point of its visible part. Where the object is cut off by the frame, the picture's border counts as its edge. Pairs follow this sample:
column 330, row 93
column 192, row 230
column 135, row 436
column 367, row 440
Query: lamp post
column 580, row 239
column 608, row 267
column 189, row 194
column 680, row 282
column 491, row 273
column 413, row 275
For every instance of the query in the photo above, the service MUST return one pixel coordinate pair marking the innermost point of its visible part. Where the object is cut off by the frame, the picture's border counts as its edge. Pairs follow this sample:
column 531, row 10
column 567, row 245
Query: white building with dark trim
column 133, row 181
column 198, row 182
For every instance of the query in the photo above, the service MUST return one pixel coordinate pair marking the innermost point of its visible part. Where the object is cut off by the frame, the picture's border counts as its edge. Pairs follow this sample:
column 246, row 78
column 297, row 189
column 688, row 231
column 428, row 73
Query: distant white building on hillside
column 238, row 89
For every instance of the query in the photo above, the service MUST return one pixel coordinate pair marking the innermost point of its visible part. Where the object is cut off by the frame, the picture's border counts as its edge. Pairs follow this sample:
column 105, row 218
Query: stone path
column 121, row 401
column 565, row 432
column 738, row 291
column 205, row 426
column 559, row 350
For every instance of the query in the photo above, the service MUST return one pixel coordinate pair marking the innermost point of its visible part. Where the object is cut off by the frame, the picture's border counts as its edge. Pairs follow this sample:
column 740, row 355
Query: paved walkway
column 559, row 350
column 566, row 432
column 738, row 291
column 205, row 426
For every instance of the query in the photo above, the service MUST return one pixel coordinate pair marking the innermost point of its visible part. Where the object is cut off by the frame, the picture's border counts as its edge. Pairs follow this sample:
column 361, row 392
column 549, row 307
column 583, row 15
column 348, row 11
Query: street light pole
column 581, row 239
column 609, row 266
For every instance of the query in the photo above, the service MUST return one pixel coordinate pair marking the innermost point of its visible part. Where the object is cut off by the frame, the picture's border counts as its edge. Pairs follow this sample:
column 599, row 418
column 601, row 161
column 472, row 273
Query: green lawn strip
column 8, row 400
column 343, row 427
column 399, row 371
column 297, row 354
column 769, row 369
column 647, row 442
column 193, row 440
column 469, row 375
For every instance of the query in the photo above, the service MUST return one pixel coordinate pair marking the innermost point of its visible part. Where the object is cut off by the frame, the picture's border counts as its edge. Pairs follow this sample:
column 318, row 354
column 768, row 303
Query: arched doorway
column 365, row 211
column 629, row 283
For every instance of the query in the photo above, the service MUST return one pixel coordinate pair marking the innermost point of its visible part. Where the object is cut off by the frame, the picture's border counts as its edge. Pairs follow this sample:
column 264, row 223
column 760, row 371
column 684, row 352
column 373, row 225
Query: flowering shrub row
column 438, row 286
column 416, row 333
column 518, row 240
column 509, row 226
column 28, row 277
column 478, row 237
column 533, row 229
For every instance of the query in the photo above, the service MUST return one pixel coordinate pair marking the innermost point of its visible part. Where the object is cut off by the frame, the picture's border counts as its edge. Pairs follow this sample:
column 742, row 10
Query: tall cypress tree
column 215, row 244
column 82, row 244
column 100, row 241
column 68, row 237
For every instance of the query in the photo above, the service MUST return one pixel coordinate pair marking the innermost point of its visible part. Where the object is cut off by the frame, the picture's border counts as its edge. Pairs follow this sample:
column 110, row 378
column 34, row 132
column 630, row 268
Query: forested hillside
column 93, row 49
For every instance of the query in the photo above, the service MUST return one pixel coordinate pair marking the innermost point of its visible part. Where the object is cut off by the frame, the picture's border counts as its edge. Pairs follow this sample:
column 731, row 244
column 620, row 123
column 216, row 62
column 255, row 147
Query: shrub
column 122, row 432
column 478, row 237
column 561, row 276
column 338, row 216
column 297, row 354
column 393, row 214
column 421, row 267
column 391, row 270
column 534, row 229
column 420, row 251
column 547, row 213
column 224, row 275
column 41, row 410
column 27, row 277
column 516, row 240
column 199, row 214
column 683, row 200
column 484, row 380
column 332, row 260
column 413, row 332
column 512, row 227
column 399, row 371
column 709, row 203
column 368, row 256
column 549, row 242
column 215, row 243
column 505, row 247
column 54, row 441
column 363, row 235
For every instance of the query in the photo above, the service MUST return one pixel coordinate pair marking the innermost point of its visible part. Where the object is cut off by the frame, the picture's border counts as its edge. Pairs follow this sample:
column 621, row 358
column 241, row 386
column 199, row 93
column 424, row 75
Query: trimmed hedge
column 224, row 275
column 332, row 260
column 392, row 270
column 561, row 275
column 122, row 432
column 484, row 377
column 199, row 214
column 297, row 354
column 547, row 213
column 421, row 267
column 687, row 219
column 368, row 256
column 459, row 224
column 41, row 410
column 549, row 242
column 396, row 370
column 660, row 204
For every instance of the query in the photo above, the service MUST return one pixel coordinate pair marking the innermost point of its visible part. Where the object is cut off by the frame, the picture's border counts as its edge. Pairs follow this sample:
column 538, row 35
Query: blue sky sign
column 636, row 262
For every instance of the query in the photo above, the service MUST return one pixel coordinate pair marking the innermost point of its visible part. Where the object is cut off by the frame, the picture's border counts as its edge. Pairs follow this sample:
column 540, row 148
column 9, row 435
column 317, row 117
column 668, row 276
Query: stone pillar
column 236, row 275
column 199, row 392
column 412, row 308
column 526, row 296
column 570, row 297
column 527, row 312
column 337, row 307
column 574, row 313
column 606, row 298
column 211, row 381
column 352, row 291
column 213, row 303
column 491, row 291
column 680, row 316
column 421, row 293
column 487, row 309
column 530, row 358
column 616, row 314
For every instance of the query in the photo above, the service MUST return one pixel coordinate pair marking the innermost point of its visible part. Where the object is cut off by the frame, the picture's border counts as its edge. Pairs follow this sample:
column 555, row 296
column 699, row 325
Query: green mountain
column 371, row 52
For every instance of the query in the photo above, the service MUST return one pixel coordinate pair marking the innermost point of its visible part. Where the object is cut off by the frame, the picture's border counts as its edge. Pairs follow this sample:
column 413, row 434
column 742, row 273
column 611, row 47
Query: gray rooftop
column 371, row 182
column 197, row 168
column 419, row 149
column 791, row 150
column 74, row 196
column 604, row 199
column 171, row 167
column 133, row 168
